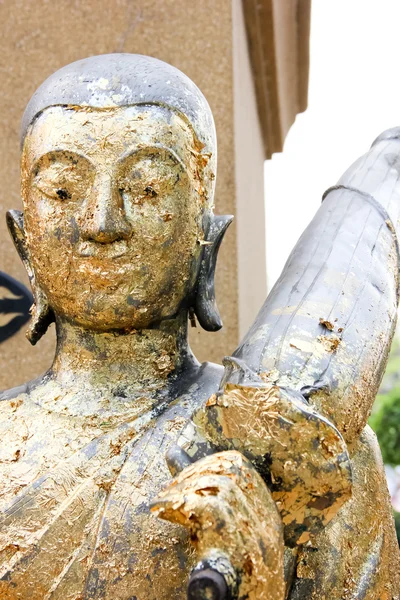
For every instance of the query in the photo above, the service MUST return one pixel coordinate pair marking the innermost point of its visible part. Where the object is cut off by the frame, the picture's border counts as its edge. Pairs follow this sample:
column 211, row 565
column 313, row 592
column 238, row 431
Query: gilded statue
column 130, row 471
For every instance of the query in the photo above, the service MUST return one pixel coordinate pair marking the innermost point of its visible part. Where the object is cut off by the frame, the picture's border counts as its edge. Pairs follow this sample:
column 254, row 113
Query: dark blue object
column 15, row 302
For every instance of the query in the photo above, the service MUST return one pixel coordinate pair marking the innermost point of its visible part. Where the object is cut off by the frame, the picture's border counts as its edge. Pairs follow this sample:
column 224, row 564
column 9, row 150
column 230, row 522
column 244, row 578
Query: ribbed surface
column 327, row 325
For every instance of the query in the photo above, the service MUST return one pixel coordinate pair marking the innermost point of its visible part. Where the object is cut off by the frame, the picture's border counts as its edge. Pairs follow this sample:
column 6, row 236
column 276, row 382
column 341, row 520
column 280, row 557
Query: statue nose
column 103, row 219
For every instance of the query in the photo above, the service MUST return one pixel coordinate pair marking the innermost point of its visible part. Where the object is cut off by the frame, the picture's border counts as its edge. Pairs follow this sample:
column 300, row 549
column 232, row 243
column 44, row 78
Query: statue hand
column 234, row 525
column 300, row 454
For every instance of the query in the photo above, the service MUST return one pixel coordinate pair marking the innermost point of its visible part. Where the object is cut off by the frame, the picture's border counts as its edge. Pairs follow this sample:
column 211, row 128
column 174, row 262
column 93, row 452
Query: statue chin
column 106, row 316
column 109, row 319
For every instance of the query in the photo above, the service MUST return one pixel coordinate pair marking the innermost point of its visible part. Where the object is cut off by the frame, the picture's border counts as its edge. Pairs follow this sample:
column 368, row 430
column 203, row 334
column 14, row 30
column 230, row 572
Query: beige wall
column 249, row 172
column 38, row 37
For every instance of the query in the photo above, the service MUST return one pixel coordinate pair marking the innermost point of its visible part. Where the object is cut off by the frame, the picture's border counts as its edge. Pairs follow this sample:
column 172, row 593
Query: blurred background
column 353, row 95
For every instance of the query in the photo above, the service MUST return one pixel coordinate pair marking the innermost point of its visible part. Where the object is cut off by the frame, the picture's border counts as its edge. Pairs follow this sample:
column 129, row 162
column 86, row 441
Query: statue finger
column 234, row 526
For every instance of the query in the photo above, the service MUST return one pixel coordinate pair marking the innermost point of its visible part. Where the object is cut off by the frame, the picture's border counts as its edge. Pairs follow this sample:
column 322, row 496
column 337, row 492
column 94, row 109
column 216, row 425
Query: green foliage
column 392, row 371
column 397, row 524
column 385, row 421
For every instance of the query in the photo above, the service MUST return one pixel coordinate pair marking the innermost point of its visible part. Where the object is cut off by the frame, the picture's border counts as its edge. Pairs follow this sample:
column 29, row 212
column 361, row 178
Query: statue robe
column 76, row 525
column 75, row 522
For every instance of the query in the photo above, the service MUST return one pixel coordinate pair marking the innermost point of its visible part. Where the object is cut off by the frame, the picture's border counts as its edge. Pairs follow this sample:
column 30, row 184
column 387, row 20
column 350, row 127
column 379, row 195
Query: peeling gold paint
column 116, row 192
column 225, row 504
column 303, row 452
column 116, row 202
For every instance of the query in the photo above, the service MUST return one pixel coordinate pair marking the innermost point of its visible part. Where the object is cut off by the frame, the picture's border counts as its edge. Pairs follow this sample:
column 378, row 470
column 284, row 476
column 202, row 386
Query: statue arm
column 326, row 328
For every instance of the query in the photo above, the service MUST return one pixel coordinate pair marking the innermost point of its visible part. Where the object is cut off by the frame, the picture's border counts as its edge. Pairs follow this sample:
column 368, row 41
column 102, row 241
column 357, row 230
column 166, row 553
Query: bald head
column 113, row 80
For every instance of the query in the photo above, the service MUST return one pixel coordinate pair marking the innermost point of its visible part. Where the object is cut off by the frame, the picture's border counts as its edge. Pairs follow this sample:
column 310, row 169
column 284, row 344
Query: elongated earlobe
column 42, row 315
column 205, row 305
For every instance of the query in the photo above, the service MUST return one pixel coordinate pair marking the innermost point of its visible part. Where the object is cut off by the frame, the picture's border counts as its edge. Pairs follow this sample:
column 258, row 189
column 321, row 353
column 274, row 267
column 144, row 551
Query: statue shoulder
column 14, row 430
column 14, row 394
column 20, row 391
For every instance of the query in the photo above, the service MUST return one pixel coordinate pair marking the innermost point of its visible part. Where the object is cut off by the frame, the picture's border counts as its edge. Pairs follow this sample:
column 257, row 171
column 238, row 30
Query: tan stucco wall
column 249, row 174
column 37, row 37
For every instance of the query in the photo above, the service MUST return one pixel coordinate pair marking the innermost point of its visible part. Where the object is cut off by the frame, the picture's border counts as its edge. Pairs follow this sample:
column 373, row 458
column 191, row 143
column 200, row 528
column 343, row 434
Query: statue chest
column 83, row 528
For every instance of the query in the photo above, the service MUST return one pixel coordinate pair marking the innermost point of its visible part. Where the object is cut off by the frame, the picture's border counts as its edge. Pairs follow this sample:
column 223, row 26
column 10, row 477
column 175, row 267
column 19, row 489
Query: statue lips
column 109, row 250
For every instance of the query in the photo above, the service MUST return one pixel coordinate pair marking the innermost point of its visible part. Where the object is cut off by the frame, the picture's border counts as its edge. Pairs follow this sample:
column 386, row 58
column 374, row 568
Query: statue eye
column 63, row 178
column 133, row 190
column 63, row 194
column 150, row 191
column 53, row 191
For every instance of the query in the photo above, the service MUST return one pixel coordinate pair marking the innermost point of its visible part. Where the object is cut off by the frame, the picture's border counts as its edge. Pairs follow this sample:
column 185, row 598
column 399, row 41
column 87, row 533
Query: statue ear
column 205, row 306
column 42, row 315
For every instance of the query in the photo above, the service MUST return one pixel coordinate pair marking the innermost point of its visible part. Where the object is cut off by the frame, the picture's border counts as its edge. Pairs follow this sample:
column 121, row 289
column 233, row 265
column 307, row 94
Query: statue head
column 118, row 175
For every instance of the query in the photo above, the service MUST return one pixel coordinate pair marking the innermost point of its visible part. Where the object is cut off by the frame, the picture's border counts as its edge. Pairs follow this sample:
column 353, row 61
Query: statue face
column 113, row 213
